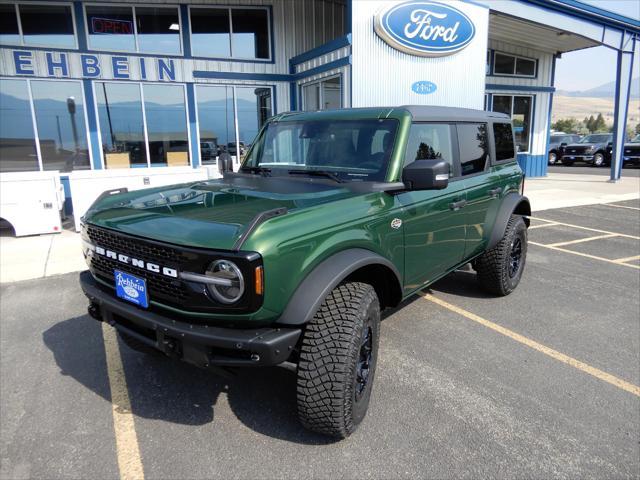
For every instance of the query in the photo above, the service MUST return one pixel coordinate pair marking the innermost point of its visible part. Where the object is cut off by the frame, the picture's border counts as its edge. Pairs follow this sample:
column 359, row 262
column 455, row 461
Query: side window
column 429, row 141
column 474, row 147
column 505, row 149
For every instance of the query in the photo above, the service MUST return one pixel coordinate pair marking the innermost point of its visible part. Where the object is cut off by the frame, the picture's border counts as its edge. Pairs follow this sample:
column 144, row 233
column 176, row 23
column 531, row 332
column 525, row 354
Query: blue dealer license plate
column 131, row 288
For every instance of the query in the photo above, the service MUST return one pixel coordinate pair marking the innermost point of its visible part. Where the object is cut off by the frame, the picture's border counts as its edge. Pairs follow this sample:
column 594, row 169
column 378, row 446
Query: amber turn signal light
column 258, row 275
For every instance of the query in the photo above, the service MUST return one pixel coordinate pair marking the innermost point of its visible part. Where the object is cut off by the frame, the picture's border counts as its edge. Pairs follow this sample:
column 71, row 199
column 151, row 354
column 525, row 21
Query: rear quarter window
column 473, row 142
column 505, row 147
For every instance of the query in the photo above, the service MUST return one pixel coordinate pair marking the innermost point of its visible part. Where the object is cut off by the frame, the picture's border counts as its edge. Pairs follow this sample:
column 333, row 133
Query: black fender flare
column 326, row 276
column 512, row 202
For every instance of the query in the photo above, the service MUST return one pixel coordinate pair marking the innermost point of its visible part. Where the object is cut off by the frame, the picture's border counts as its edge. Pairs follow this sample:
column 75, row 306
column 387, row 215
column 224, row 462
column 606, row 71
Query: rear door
column 482, row 182
column 434, row 220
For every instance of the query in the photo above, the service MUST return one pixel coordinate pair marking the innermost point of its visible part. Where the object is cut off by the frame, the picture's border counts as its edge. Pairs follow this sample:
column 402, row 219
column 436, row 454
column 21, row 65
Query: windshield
column 348, row 150
column 636, row 139
column 596, row 138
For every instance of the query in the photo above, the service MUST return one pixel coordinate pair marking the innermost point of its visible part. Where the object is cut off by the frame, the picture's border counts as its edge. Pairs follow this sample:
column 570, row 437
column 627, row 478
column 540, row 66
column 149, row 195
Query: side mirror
column 563, row 144
column 426, row 175
column 610, row 145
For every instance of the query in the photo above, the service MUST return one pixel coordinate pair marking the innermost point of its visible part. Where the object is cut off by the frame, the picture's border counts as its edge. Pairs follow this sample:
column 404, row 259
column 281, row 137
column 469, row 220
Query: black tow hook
column 94, row 310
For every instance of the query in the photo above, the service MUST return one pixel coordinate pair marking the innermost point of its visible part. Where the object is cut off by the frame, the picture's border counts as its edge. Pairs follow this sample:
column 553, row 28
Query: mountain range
column 603, row 91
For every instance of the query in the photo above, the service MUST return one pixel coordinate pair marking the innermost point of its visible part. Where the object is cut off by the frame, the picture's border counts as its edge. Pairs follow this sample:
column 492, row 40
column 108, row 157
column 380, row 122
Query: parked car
column 232, row 148
column 557, row 144
column 333, row 216
column 594, row 149
column 208, row 150
column 632, row 152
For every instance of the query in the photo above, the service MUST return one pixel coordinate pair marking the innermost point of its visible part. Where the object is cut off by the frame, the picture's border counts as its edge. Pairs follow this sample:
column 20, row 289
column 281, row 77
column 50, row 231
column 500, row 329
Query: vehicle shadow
column 462, row 283
column 164, row 389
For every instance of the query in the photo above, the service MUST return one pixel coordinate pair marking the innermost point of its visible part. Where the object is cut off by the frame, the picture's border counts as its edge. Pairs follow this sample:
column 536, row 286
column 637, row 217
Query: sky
column 593, row 67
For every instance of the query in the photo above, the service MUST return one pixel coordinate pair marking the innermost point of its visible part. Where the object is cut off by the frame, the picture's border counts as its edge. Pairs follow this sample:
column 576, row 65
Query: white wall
column 383, row 76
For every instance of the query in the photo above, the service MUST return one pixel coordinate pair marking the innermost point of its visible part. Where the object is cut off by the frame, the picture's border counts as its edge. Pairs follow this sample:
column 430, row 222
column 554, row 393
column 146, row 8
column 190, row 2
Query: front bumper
column 201, row 345
column 579, row 158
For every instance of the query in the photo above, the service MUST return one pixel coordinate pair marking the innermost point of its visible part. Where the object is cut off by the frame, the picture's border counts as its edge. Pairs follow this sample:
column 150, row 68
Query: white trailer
column 31, row 202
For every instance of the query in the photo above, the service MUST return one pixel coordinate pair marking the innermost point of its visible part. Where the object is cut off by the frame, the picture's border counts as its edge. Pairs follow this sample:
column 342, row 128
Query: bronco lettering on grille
column 152, row 267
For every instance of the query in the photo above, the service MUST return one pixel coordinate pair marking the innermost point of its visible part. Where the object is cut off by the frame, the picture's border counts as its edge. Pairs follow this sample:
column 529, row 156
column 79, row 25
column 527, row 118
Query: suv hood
column 211, row 214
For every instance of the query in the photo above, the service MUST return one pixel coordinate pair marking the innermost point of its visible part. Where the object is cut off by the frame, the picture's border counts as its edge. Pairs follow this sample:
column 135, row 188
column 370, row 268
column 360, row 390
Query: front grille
column 170, row 291
column 159, row 286
column 135, row 247
column 578, row 151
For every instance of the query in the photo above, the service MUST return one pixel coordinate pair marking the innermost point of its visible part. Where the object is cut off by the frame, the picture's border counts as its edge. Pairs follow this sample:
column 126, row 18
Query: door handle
column 457, row 205
column 495, row 192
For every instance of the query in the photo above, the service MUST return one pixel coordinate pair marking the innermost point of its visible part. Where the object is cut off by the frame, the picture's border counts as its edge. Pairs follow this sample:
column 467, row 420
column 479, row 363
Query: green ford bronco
column 332, row 217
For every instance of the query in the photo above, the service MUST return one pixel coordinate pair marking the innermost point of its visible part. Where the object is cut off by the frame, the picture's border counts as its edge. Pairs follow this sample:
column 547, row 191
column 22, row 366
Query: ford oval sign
column 424, row 87
column 426, row 29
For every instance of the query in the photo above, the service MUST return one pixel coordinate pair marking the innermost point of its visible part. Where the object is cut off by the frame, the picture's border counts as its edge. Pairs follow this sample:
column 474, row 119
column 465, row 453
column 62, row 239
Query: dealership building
column 98, row 95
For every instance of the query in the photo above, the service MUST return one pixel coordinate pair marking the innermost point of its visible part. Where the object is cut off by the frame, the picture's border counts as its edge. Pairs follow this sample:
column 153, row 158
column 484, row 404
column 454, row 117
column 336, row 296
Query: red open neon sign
column 111, row 26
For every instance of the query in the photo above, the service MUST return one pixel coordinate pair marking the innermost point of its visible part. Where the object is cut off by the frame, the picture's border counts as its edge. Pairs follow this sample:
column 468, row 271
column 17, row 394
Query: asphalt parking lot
column 540, row 384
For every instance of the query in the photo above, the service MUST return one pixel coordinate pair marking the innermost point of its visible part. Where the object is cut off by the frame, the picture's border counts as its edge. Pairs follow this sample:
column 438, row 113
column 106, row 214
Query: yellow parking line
column 615, row 262
column 587, row 228
column 128, row 451
column 561, row 357
column 580, row 240
column 620, row 206
column 627, row 259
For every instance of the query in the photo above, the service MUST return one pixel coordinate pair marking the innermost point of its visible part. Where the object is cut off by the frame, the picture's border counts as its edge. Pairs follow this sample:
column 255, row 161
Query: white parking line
column 627, row 259
column 580, row 240
column 588, row 228
column 593, row 257
column 620, row 206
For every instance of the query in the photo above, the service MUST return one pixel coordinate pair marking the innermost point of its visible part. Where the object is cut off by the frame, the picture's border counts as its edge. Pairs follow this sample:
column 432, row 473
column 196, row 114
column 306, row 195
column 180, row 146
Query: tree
column 590, row 124
column 599, row 125
column 567, row 125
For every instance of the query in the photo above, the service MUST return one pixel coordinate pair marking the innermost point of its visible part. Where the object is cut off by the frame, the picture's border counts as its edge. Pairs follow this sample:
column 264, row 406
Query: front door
column 434, row 220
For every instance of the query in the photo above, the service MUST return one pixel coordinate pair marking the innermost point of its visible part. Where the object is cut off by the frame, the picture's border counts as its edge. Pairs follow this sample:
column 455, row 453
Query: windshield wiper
column 319, row 173
column 265, row 172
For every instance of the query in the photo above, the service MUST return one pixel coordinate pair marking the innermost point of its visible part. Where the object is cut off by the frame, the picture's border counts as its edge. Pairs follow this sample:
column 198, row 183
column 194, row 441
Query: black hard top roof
column 427, row 113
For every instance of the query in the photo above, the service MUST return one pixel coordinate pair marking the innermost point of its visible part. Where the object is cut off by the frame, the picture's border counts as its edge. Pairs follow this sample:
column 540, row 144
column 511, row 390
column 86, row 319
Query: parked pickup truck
column 632, row 152
column 594, row 149
column 557, row 145
column 333, row 216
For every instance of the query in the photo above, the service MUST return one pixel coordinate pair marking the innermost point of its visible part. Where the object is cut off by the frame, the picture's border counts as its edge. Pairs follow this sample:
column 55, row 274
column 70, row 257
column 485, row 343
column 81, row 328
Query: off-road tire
column 553, row 158
column 494, row 267
column 135, row 344
column 329, row 398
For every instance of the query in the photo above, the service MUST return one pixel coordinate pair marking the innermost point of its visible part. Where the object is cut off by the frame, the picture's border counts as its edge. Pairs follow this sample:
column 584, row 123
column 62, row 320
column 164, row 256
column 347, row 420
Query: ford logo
column 426, row 29
column 424, row 87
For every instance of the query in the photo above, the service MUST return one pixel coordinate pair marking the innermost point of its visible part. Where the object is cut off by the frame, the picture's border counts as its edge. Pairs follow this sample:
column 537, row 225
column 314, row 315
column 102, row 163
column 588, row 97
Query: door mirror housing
column 563, row 144
column 426, row 175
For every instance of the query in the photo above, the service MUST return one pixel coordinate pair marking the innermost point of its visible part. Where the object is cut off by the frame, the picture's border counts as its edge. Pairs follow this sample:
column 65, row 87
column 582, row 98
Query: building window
column 142, row 125
column 519, row 108
column 323, row 95
column 121, row 124
column 474, row 147
column 238, row 32
column 18, row 151
column 45, row 25
column 9, row 30
column 216, row 105
column 134, row 29
column 166, row 117
column 512, row 65
column 59, row 112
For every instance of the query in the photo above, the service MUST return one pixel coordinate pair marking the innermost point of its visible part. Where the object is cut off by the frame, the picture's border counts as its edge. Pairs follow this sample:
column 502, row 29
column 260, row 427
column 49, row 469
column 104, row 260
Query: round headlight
column 231, row 287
